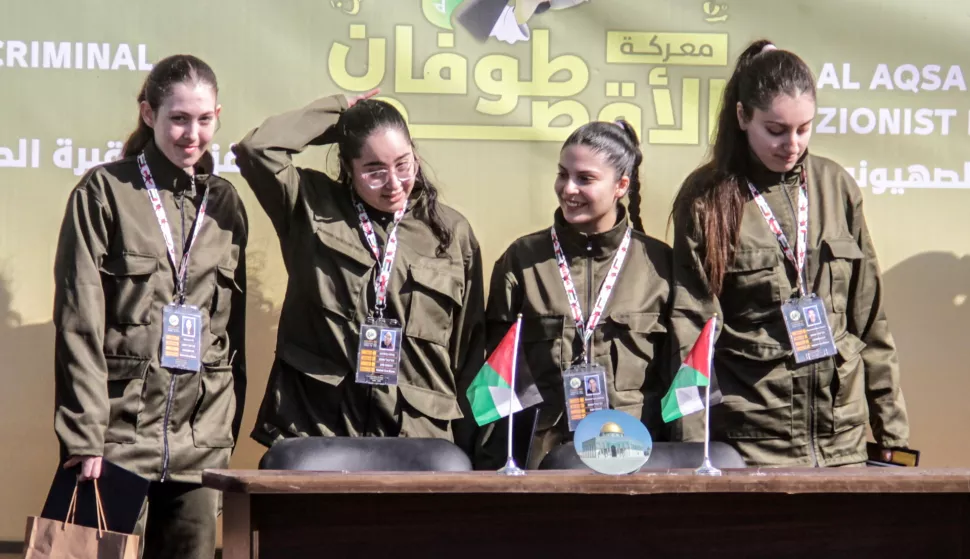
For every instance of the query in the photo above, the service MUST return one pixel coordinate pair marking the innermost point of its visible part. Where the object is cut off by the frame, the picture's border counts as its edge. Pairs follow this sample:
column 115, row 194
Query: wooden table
column 864, row 512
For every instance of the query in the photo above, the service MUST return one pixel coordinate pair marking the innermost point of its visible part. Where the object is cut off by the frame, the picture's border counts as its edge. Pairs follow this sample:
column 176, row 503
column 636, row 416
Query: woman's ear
column 147, row 114
column 622, row 187
column 742, row 119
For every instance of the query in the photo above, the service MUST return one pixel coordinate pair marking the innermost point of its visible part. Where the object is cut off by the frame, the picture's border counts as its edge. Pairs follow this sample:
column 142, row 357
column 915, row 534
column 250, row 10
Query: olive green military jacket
column 112, row 279
column 774, row 411
column 439, row 298
column 630, row 341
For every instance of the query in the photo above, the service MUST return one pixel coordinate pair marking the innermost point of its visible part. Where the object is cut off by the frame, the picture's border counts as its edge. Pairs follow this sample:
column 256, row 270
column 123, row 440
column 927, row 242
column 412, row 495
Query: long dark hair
column 618, row 142
column 713, row 192
column 353, row 128
column 180, row 68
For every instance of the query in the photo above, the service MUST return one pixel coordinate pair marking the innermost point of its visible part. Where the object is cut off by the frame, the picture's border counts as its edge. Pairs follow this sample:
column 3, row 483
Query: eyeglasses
column 404, row 171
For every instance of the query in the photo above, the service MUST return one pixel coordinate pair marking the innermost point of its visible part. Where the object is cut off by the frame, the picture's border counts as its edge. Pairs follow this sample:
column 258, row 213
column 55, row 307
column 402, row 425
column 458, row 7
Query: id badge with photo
column 182, row 338
column 585, row 389
column 808, row 328
column 379, row 352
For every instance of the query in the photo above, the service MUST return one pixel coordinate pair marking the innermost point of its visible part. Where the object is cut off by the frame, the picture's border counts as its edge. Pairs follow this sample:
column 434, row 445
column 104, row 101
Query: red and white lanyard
column 586, row 329
column 801, row 241
column 390, row 252
column 180, row 268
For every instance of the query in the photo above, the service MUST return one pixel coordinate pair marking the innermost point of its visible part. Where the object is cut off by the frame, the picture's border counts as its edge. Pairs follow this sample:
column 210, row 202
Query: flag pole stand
column 511, row 468
column 708, row 469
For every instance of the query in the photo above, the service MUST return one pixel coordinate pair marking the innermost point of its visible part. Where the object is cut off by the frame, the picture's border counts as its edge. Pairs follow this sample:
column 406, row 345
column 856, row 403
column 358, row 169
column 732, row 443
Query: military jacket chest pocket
column 340, row 271
column 633, row 337
column 541, row 341
column 840, row 258
column 752, row 285
column 128, row 283
column 436, row 296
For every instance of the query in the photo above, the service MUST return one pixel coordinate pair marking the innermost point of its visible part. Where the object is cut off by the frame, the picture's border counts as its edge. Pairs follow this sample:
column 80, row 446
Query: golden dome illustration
column 611, row 428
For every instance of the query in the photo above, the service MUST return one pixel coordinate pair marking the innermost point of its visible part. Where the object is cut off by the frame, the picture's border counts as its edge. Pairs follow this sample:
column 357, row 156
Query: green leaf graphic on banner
column 438, row 12
column 351, row 7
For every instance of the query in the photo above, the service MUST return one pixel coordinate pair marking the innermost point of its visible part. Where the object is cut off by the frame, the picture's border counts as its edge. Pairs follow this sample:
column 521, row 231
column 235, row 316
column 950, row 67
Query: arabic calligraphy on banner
column 30, row 153
column 553, row 81
column 512, row 71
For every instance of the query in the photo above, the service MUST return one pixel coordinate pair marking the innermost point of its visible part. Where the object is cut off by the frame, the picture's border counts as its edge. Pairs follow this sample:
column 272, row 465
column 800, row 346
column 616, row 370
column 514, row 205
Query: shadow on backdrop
column 262, row 320
column 27, row 438
column 928, row 308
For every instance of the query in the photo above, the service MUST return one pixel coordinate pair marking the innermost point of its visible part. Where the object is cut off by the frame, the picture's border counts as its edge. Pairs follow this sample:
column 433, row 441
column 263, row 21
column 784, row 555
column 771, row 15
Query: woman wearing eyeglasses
column 384, row 306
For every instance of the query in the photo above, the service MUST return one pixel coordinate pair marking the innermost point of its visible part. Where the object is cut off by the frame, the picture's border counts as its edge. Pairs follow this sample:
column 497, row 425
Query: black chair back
column 365, row 454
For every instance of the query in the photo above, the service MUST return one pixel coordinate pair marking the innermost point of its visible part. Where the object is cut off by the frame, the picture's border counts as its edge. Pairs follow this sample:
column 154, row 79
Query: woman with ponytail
column 149, row 309
column 616, row 274
column 369, row 253
column 773, row 239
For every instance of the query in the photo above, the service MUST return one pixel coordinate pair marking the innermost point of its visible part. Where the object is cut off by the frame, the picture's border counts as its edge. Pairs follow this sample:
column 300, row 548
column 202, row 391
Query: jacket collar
column 417, row 200
column 596, row 245
column 169, row 177
column 764, row 178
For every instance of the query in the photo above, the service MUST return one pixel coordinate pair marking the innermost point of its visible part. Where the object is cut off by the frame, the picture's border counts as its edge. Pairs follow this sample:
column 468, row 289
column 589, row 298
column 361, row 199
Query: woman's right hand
column 90, row 466
column 353, row 100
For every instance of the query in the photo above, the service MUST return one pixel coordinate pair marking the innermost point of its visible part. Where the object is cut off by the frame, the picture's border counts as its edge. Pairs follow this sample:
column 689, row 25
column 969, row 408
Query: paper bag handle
column 72, row 509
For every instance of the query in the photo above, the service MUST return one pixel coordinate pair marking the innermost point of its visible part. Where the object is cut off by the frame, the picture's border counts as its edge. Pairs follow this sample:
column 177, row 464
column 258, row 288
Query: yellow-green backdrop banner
column 490, row 89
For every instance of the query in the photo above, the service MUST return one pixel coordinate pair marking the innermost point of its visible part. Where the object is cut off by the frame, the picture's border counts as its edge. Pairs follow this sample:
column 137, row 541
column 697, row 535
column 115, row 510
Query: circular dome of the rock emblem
column 612, row 442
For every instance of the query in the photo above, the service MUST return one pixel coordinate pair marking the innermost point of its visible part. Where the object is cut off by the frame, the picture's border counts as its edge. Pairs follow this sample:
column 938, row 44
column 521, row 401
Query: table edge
column 773, row 481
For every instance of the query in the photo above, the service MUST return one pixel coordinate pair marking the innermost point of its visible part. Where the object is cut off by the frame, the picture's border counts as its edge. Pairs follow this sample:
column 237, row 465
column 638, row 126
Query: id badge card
column 585, row 389
column 379, row 352
column 808, row 328
column 182, row 339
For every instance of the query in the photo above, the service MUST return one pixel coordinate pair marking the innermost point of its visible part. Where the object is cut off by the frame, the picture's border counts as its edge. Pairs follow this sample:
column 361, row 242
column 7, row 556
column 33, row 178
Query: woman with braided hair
column 592, row 290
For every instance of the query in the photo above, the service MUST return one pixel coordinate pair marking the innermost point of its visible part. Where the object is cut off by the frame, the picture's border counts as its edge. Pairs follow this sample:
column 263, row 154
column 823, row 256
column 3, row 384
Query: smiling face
column 384, row 174
column 779, row 136
column 184, row 123
column 588, row 189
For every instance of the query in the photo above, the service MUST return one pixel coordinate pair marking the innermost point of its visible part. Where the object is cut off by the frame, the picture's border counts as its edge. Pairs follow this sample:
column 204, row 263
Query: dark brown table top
column 751, row 480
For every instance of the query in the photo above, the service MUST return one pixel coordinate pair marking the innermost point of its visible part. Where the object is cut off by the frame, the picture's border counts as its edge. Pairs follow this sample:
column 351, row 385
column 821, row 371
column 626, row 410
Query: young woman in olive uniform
column 611, row 262
column 734, row 217
column 117, row 279
column 335, row 234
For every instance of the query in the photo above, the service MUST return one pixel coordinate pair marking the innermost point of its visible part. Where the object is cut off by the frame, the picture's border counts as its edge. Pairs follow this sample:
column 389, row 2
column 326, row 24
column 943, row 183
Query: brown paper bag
column 62, row 539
